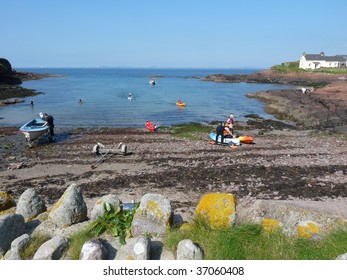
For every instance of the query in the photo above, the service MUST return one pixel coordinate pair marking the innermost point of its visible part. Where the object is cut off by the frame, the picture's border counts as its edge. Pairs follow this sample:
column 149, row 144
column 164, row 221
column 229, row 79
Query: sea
column 104, row 94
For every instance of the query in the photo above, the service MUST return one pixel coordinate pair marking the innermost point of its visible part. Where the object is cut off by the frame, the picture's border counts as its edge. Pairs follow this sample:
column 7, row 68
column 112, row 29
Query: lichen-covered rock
column 219, row 209
column 271, row 225
column 17, row 247
column 70, row 209
column 99, row 210
column 188, row 250
column 93, row 250
column 308, row 229
column 52, row 249
column 30, row 204
column 11, row 226
column 6, row 201
column 153, row 216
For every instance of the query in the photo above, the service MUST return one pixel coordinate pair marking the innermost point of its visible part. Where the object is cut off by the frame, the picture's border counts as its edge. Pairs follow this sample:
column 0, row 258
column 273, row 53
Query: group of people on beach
column 225, row 129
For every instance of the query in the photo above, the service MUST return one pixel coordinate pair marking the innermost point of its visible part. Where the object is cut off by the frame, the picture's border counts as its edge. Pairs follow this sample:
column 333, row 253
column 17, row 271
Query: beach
column 291, row 160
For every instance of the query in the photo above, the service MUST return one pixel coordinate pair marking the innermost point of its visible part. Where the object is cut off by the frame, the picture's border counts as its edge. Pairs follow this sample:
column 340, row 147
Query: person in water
column 50, row 123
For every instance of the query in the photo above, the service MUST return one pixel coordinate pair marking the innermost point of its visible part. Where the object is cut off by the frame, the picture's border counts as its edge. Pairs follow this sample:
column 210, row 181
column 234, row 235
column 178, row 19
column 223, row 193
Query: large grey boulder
column 70, row 208
column 30, row 204
column 153, row 216
column 187, row 250
column 99, row 210
column 17, row 247
column 11, row 226
column 52, row 249
column 93, row 250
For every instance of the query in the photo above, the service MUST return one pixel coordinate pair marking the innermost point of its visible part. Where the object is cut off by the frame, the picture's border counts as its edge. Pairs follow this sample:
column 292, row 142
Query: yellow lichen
column 308, row 229
column 270, row 225
column 6, row 201
column 154, row 208
column 218, row 208
column 185, row 227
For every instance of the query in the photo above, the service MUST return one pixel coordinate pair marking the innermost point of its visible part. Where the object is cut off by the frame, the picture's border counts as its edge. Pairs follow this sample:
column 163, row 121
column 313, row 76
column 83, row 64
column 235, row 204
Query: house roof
column 340, row 58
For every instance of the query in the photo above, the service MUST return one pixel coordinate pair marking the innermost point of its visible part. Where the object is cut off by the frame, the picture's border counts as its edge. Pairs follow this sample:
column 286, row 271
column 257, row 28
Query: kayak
column 182, row 104
column 150, row 126
column 246, row 139
column 226, row 140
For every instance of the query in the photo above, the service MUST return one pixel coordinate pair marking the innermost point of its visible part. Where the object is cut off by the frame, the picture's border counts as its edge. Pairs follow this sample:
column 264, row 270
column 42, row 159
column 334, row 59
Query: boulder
column 93, row 250
column 17, row 247
column 219, row 209
column 6, row 201
column 11, row 226
column 342, row 257
column 308, row 229
column 70, row 208
column 153, row 216
column 30, row 204
column 140, row 249
column 52, row 249
column 188, row 250
column 99, row 210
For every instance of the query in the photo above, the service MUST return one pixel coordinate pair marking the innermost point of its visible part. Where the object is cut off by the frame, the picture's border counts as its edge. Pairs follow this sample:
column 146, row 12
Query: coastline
column 296, row 162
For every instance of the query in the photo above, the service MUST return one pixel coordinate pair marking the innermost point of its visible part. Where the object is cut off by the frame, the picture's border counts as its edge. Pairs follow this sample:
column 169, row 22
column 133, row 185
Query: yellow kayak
column 182, row 104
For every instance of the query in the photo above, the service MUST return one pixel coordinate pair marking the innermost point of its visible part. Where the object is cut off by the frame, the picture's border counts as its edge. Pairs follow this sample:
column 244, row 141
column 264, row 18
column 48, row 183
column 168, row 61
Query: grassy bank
column 249, row 242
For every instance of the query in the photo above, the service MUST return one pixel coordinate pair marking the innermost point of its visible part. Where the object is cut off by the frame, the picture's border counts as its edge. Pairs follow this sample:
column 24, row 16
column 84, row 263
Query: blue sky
column 159, row 33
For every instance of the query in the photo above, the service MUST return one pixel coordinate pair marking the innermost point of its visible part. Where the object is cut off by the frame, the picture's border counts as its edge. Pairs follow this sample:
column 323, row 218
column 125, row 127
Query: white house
column 315, row 61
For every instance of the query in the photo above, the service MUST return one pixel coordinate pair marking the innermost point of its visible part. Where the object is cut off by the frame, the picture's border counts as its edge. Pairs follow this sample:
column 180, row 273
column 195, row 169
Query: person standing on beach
column 231, row 122
column 50, row 122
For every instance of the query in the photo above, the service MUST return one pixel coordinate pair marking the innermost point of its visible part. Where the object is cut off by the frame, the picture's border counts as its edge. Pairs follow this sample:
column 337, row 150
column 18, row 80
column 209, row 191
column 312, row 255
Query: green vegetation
column 188, row 131
column 114, row 223
column 76, row 242
column 288, row 67
column 249, row 242
column 33, row 246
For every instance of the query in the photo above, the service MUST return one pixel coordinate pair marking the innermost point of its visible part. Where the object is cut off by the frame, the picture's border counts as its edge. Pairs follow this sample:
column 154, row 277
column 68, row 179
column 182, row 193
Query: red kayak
column 151, row 126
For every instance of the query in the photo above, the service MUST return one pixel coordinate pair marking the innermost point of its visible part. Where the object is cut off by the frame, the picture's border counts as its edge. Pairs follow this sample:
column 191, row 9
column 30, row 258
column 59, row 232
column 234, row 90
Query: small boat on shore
column 34, row 129
column 151, row 126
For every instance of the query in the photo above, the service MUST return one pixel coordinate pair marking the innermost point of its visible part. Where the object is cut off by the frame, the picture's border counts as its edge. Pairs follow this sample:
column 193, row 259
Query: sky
column 176, row 33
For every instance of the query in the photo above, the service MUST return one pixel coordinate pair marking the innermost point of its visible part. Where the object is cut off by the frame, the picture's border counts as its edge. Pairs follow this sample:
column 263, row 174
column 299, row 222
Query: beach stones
column 93, row 250
column 219, row 209
column 187, row 250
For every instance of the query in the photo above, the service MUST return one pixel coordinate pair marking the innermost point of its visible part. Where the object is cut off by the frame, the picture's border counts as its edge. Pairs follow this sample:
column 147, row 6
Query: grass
column 188, row 131
column 76, row 242
column 35, row 243
column 249, row 242
column 287, row 67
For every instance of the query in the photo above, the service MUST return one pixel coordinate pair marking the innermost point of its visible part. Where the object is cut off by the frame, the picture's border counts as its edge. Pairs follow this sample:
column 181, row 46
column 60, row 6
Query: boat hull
column 34, row 129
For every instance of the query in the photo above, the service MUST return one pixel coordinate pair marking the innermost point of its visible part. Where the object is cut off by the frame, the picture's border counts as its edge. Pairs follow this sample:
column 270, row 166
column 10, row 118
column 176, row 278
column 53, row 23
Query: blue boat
column 34, row 129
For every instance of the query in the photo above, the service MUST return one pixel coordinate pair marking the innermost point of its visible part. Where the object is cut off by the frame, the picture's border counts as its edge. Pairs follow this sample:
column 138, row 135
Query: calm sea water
column 104, row 92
